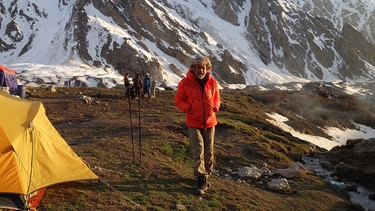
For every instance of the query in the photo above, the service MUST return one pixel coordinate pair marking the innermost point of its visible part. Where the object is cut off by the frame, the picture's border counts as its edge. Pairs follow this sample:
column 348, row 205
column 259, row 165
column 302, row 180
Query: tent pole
column 31, row 164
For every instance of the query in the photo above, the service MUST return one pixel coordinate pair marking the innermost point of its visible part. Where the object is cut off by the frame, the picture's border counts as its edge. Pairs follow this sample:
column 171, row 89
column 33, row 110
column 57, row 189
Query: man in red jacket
column 198, row 96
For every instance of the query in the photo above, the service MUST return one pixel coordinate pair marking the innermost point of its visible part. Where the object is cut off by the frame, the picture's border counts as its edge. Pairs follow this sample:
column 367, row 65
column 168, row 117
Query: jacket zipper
column 204, row 110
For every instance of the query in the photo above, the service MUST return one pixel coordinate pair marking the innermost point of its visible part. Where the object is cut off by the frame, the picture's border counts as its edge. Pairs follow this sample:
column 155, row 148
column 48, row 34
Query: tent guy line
column 113, row 188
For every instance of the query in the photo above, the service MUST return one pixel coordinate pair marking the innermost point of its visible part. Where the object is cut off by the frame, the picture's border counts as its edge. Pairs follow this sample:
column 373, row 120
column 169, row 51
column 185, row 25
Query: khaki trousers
column 202, row 147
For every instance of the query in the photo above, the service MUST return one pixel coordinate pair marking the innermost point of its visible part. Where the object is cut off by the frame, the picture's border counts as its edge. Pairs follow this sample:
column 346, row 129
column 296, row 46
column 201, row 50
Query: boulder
column 294, row 171
column 289, row 173
column 365, row 148
column 354, row 161
column 278, row 184
column 250, row 172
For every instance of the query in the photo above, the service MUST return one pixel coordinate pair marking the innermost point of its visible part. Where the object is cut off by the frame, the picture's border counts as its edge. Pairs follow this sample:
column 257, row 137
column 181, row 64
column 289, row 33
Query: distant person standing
column 147, row 85
column 127, row 85
column 137, row 83
column 198, row 96
column 153, row 88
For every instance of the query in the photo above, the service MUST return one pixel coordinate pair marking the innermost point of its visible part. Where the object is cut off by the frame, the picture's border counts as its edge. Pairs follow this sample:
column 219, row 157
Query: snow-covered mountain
column 359, row 14
column 93, row 43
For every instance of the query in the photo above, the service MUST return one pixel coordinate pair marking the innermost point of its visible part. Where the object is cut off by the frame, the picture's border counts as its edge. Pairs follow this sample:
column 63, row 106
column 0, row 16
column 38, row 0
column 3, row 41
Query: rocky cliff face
column 359, row 14
column 279, row 39
column 307, row 46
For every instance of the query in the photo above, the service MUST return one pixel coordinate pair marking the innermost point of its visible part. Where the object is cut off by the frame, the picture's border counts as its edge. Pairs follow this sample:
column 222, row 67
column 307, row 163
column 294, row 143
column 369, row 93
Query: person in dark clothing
column 137, row 83
column 146, row 86
column 127, row 85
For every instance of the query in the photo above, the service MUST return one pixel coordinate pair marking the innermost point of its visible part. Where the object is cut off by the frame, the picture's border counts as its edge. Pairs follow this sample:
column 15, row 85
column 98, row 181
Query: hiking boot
column 203, row 185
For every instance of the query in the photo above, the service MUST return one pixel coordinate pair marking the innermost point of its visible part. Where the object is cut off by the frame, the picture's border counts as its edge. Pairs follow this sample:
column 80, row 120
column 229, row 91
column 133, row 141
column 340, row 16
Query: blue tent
column 8, row 78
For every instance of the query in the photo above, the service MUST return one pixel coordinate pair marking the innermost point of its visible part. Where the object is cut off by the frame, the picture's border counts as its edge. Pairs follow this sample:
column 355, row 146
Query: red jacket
column 200, row 107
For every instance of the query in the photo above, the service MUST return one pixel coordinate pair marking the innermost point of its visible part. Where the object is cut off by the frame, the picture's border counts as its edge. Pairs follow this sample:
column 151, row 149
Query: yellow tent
column 33, row 155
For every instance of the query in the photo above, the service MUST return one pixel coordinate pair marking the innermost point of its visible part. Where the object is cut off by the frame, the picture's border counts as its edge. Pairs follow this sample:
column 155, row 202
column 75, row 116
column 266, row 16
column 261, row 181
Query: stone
column 51, row 88
column 294, row 171
column 278, row 184
column 250, row 172
column 365, row 148
column 289, row 173
column 180, row 207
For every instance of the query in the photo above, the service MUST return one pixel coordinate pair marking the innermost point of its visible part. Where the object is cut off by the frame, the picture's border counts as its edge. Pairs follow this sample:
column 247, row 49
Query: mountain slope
column 359, row 14
column 249, row 42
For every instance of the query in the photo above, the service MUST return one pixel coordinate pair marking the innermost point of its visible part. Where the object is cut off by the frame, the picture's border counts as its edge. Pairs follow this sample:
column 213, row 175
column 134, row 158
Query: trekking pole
column 139, row 127
column 131, row 123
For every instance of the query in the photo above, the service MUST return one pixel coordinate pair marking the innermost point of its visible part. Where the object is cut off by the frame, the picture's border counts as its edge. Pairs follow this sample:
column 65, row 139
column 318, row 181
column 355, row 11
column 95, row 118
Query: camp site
column 76, row 148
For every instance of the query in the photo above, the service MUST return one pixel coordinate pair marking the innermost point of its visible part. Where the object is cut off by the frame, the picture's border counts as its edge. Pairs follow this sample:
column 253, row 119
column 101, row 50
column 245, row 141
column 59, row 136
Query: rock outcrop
column 354, row 161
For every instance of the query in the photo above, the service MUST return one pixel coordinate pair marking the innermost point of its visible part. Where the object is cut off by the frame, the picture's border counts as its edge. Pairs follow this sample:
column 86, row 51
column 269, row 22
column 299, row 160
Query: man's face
column 200, row 71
